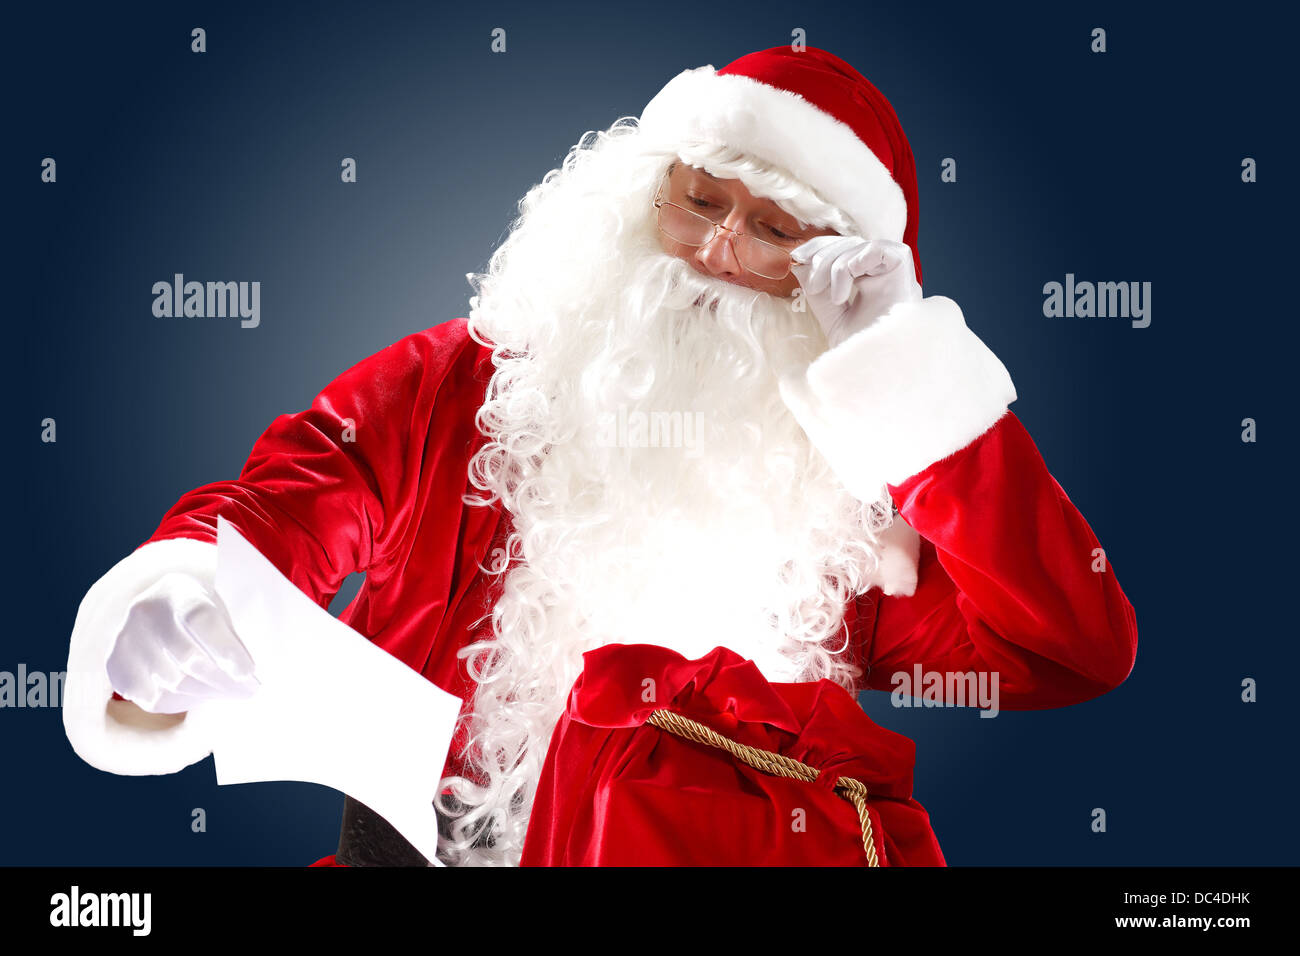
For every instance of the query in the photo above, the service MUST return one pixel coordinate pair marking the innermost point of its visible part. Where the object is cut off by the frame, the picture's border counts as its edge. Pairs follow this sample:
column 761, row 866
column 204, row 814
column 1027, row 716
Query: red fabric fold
column 616, row 791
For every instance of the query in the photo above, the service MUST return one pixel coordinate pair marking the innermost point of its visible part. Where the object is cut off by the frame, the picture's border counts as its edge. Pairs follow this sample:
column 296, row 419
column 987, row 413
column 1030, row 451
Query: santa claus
column 701, row 464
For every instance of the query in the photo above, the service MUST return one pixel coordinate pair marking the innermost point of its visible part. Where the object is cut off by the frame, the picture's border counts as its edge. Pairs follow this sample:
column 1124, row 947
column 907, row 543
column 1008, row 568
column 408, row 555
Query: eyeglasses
column 691, row 229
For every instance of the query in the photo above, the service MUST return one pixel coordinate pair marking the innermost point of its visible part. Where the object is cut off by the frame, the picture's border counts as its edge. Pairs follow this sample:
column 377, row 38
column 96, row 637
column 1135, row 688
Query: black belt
column 367, row 839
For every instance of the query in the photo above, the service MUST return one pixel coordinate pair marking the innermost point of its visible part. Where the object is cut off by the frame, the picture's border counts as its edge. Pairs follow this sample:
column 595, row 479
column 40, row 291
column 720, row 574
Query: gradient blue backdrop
column 1123, row 166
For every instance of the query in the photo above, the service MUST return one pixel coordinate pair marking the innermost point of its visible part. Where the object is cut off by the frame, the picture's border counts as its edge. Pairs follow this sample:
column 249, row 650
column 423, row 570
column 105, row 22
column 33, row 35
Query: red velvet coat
column 1006, row 577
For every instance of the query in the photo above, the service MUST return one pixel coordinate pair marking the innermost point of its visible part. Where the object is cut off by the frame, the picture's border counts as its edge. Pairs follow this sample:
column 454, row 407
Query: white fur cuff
column 911, row 389
column 116, row 735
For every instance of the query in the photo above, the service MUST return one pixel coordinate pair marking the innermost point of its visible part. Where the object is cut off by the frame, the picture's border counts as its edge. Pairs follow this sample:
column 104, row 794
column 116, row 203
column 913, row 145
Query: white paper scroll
column 332, row 708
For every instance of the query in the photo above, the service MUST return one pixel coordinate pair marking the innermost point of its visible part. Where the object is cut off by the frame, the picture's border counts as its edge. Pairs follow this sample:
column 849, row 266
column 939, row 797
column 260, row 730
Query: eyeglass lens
column 757, row 256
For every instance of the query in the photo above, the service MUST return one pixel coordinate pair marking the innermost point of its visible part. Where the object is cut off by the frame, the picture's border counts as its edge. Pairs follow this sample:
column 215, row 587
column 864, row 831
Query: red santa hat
column 811, row 114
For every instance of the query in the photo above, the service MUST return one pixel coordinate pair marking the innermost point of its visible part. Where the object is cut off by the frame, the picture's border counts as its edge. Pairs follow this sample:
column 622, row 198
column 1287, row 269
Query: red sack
column 617, row 791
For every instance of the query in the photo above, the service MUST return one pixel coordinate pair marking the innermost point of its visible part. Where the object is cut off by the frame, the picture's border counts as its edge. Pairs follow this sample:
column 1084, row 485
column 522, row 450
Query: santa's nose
column 718, row 256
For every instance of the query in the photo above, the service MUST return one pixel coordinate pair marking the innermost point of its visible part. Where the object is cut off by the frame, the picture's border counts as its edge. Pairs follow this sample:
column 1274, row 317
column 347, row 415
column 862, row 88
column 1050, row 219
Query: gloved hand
column 177, row 646
column 849, row 282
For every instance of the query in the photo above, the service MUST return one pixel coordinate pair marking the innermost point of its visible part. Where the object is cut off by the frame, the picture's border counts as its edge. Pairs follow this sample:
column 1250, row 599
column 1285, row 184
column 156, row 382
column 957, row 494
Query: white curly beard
column 683, row 546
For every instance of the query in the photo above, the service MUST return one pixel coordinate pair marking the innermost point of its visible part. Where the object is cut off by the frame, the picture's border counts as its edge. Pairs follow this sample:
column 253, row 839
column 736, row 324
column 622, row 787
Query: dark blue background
column 1123, row 166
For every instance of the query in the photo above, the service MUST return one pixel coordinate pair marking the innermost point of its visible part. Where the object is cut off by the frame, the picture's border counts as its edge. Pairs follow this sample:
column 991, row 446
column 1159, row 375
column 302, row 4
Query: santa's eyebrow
column 701, row 170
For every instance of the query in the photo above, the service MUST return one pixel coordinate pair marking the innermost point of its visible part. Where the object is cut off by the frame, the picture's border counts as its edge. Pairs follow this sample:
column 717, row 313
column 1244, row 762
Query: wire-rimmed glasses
column 691, row 229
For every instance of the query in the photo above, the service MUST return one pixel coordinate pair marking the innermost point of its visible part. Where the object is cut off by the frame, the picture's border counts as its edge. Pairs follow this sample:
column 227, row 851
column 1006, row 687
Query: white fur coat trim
column 912, row 388
column 116, row 735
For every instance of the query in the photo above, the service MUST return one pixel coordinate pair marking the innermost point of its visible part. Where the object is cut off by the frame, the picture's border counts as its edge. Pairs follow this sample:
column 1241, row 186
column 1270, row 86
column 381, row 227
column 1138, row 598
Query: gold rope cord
column 776, row 764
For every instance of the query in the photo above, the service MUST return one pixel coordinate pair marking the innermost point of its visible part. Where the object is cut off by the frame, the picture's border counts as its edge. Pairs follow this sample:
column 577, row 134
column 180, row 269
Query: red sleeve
column 1011, row 580
column 323, row 497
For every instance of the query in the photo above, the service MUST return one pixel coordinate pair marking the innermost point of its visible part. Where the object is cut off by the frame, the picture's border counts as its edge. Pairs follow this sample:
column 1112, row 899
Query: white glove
column 849, row 282
column 177, row 646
